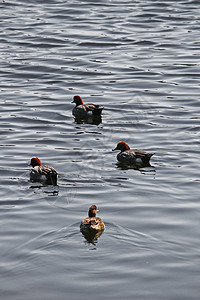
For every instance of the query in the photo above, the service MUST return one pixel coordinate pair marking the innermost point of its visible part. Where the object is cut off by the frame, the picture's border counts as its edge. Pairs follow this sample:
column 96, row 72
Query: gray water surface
column 140, row 60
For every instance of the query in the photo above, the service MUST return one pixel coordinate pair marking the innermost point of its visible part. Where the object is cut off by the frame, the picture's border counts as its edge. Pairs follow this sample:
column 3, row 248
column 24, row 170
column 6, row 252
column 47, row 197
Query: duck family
column 92, row 223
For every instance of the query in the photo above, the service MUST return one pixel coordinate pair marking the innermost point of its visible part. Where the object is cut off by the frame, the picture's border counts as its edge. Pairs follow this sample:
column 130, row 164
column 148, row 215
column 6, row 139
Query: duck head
column 92, row 211
column 122, row 146
column 35, row 162
column 78, row 100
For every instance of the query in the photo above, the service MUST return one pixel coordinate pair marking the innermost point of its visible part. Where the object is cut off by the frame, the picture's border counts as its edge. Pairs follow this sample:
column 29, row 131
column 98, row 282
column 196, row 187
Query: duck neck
column 91, row 214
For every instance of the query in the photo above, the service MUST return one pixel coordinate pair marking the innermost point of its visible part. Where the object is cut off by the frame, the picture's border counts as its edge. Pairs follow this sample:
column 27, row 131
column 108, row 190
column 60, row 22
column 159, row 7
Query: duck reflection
column 143, row 168
column 94, row 120
column 46, row 189
column 91, row 236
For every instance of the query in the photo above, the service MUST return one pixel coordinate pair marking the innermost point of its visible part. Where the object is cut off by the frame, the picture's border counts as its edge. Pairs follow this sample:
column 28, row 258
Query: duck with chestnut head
column 132, row 156
column 82, row 110
column 41, row 172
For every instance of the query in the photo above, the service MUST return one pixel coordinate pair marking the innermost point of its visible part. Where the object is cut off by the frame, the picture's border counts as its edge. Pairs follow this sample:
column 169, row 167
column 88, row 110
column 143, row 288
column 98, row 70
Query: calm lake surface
column 140, row 60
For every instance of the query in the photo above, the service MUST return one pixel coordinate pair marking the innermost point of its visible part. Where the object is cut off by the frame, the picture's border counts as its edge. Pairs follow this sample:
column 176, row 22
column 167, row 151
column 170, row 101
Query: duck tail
column 151, row 154
column 98, row 110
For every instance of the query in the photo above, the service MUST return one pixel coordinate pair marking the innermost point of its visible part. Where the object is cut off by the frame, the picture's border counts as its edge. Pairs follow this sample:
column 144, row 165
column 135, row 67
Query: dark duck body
column 132, row 156
column 41, row 172
column 92, row 223
column 82, row 110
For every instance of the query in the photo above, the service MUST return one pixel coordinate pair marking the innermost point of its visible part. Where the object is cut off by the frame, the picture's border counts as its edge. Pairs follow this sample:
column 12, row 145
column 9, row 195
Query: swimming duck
column 92, row 223
column 132, row 156
column 41, row 172
column 82, row 110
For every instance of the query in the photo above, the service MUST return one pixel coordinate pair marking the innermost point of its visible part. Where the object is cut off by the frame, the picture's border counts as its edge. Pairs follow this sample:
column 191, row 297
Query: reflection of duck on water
column 92, row 236
column 94, row 120
column 92, row 227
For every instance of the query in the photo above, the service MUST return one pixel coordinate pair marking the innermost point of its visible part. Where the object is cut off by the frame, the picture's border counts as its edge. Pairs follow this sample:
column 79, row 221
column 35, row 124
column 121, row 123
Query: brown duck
column 92, row 223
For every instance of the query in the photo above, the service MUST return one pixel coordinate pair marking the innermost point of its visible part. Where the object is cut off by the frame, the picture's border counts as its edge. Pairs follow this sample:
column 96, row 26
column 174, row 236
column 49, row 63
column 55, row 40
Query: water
column 140, row 59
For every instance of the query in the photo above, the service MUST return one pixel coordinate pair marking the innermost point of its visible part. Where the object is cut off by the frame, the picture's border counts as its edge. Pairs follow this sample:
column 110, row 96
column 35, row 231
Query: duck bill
column 114, row 149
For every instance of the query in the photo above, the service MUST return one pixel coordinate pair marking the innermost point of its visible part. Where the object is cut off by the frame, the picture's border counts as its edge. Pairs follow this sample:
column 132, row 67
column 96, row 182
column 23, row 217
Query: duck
column 41, row 172
column 131, row 156
column 92, row 223
column 82, row 110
